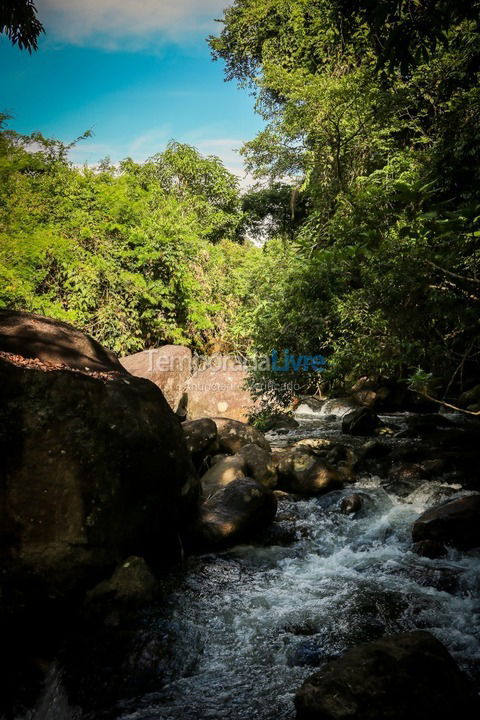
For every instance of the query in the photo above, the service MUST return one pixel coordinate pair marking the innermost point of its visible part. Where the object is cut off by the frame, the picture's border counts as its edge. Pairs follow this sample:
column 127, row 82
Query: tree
column 18, row 20
column 372, row 110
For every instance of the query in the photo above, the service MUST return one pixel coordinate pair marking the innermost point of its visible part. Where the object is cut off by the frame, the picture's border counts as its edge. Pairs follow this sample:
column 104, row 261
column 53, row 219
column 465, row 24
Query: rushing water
column 247, row 626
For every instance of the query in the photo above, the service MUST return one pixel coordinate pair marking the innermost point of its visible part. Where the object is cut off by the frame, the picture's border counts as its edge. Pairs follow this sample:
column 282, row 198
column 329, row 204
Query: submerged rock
column 455, row 522
column 401, row 677
column 239, row 511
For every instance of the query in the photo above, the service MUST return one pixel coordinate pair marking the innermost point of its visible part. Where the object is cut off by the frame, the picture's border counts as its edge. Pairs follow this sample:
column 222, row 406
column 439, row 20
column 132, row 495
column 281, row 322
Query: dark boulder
column 401, row 677
column 278, row 421
column 131, row 587
column 260, row 464
column 360, row 422
column 455, row 523
column 53, row 342
column 91, row 471
column 351, row 504
column 426, row 424
column 233, row 435
column 200, row 435
column 240, row 511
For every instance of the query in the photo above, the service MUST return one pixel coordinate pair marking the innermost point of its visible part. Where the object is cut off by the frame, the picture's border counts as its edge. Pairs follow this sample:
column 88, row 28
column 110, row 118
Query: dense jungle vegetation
column 368, row 204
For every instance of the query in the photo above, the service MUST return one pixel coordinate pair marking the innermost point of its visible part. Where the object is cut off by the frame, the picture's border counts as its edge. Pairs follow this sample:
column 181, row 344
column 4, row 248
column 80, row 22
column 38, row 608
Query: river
column 245, row 627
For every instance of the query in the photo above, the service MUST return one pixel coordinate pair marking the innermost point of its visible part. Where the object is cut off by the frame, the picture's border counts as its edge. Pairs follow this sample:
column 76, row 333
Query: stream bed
column 245, row 627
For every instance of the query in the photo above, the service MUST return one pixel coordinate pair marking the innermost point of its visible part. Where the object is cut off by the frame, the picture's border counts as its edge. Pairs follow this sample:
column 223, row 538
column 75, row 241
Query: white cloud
column 112, row 22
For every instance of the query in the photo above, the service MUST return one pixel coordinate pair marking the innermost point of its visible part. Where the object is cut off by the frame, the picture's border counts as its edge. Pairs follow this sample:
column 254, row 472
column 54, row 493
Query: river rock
column 54, row 342
column 470, row 399
column 222, row 473
column 401, row 677
column 455, row 523
column 302, row 472
column 91, row 470
column 200, row 435
column 219, row 390
column 351, row 504
column 278, row 421
column 259, row 464
column 360, row 422
column 131, row 586
column 237, row 512
column 233, row 435
column 169, row 367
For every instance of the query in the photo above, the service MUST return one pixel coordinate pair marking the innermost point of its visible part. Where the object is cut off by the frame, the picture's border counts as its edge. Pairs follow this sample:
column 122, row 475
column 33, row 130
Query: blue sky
column 137, row 72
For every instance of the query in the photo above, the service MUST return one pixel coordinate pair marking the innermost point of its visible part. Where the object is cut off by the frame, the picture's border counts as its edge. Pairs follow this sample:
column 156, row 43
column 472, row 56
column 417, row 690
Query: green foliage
column 372, row 114
column 18, row 20
column 136, row 255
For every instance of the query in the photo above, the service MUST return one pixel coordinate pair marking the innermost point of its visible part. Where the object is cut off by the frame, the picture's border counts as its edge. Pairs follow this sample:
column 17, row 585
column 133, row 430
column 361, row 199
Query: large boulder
column 455, row 523
column 360, row 422
column 53, row 342
column 303, row 472
column 91, row 470
column 219, row 389
column 233, row 435
column 236, row 513
column 401, row 677
column 168, row 366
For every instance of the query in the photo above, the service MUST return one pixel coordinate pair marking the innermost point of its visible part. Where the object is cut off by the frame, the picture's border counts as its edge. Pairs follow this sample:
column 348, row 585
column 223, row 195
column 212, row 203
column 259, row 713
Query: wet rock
column 309, row 405
column 360, row 422
column 404, row 479
column 131, row 586
column 233, row 435
column 169, row 367
column 302, row 472
column 52, row 341
column 219, row 390
column 259, row 464
column 351, row 504
column 429, row 548
column 91, row 470
column 426, row 424
column 222, row 473
column 238, row 512
column 200, row 435
column 455, row 523
column 278, row 421
column 405, row 676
